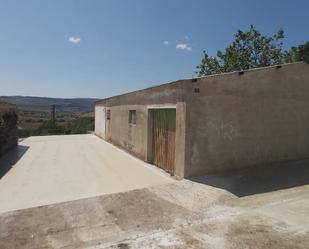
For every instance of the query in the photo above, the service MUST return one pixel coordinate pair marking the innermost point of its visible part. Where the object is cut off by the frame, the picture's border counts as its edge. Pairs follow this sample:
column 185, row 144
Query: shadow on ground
column 262, row 179
column 8, row 160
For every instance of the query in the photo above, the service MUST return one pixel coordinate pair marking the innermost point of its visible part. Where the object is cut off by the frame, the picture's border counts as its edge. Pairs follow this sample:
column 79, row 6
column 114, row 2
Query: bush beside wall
column 8, row 127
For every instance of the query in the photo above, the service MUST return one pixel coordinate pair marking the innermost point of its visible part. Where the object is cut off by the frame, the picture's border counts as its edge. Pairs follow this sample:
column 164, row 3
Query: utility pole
column 53, row 111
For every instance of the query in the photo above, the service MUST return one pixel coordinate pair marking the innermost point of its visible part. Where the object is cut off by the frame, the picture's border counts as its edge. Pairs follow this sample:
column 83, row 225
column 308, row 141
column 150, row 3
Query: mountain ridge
column 84, row 104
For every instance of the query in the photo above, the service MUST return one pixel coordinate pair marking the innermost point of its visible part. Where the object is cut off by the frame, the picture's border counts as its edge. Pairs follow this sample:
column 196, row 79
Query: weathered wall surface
column 8, row 127
column 132, row 137
column 99, row 125
column 162, row 94
column 243, row 120
column 135, row 137
column 223, row 122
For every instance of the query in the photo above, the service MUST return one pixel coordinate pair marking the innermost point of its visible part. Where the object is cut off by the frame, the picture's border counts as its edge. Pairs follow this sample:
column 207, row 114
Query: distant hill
column 34, row 111
column 34, row 103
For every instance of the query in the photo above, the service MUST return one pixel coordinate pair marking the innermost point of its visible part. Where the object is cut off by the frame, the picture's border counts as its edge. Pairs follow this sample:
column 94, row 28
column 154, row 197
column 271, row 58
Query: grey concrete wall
column 8, row 127
column 135, row 138
column 244, row 120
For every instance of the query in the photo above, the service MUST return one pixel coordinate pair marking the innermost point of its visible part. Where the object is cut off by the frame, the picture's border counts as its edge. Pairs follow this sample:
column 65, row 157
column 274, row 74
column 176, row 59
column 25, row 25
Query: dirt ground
column 244, row 209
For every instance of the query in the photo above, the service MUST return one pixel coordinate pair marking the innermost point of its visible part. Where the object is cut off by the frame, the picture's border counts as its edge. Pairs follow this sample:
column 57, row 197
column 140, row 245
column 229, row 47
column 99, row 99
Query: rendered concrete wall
column 132, row 137
column 135, row 138
column 8, row 127
column 223, row 122
column 99, row 124
column 237, row 120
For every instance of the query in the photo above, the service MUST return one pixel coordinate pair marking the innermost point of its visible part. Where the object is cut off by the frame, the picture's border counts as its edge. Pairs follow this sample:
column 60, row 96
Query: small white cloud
column 187, row 37
column 74, row 40
column 166, row 42
column 183, row 46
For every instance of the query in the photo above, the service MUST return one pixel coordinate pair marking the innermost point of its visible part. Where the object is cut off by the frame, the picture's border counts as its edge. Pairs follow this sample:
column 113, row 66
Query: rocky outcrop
column 8, row 127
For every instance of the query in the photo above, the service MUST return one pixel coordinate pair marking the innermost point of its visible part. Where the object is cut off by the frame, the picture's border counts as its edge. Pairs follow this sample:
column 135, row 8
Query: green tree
column 80, row 126
column 300, row 53
column 250, row 49
column 49, row 127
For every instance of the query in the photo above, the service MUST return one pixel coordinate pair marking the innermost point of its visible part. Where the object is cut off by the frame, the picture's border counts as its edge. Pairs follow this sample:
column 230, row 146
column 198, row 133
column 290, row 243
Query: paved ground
column 206, row 212
column 265, row 207
column 46, row 170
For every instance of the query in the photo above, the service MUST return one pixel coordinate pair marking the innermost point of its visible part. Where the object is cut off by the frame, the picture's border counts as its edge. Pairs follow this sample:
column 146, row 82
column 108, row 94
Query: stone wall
column 8, row 127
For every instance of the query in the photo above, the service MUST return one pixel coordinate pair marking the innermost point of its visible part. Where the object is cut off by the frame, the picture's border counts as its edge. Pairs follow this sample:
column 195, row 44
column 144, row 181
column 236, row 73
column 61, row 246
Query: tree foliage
column 48, row 127
column 300, row 53
column 250, row 49
column 80, row 126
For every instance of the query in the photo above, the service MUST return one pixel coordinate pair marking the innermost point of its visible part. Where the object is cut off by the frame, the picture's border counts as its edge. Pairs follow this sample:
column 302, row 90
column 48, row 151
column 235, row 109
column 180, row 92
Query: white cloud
column 183, row 46
column 166, row 42
column 74, row 40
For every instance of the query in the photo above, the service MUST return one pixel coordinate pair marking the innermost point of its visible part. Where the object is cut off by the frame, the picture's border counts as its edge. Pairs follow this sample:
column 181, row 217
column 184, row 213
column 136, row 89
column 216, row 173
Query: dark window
column 108, row 114
column 196, row 90
column 132, row 117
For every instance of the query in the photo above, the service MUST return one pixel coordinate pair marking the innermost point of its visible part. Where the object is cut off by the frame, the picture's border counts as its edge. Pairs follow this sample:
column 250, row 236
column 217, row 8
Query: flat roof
column 202, row 77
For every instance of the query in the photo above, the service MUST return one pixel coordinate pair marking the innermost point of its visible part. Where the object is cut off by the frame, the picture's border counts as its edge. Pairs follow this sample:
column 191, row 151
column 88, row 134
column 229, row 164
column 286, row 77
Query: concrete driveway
column 183, row 215
column 52, row 169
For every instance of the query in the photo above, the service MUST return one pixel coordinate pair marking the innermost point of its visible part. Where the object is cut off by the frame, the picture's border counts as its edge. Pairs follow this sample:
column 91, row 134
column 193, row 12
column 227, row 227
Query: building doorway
column 163, row 130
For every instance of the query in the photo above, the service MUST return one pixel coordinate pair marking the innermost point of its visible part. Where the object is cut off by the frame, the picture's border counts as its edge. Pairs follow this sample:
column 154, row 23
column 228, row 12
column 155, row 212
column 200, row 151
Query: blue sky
column 99, row 48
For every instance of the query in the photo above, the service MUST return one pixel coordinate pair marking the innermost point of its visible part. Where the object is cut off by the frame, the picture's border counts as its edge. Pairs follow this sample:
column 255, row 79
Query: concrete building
column 8, row 127
column 215, row 123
